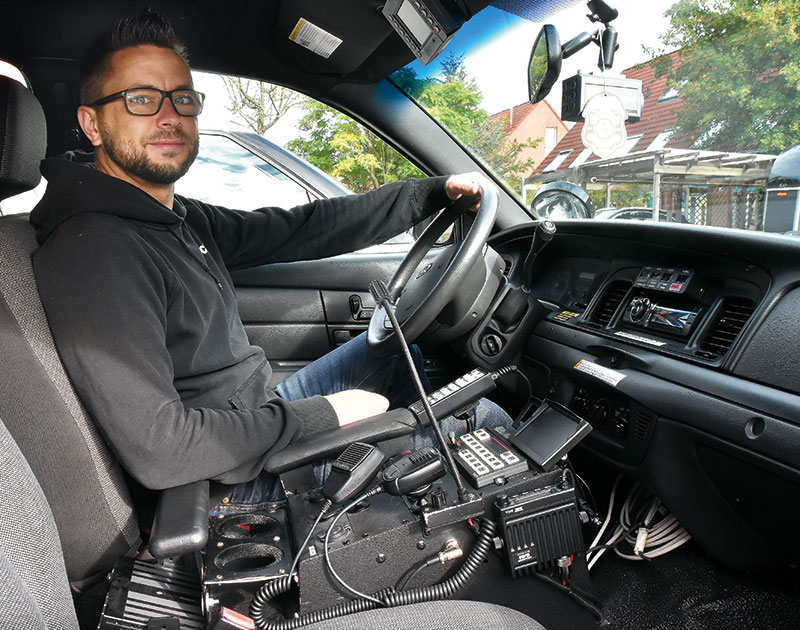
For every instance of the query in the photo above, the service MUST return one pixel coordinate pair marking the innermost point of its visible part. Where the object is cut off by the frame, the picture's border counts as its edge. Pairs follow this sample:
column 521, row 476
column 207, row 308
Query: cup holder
column 246, row 557
column 248, row 526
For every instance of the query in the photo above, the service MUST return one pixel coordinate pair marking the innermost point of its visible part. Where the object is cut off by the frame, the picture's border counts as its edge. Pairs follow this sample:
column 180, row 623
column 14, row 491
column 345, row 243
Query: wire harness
column 645, row 525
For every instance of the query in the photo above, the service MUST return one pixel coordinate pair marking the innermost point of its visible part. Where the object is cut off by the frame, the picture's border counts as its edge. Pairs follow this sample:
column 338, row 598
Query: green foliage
column 622, row 196
column 739, row 73
column 360, row 160
column 455, row 103
column 344, row 149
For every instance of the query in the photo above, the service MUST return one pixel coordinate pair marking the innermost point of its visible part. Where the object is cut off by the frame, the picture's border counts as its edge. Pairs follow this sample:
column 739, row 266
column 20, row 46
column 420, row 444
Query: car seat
column 82, row 481
column 67, row 512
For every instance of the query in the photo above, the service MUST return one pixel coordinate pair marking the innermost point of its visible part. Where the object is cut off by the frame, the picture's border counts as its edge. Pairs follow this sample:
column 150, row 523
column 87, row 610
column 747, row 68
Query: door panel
column 297, row 312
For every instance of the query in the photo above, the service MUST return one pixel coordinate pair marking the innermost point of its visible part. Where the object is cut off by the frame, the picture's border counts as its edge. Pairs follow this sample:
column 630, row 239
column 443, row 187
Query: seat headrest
column 23, row 138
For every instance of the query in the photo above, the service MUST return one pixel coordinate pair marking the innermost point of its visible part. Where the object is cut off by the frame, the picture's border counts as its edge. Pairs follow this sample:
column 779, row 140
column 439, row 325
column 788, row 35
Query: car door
column 298, row 311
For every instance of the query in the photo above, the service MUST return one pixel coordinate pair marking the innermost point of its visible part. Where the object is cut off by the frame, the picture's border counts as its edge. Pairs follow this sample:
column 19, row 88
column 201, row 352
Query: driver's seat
column 84, row 486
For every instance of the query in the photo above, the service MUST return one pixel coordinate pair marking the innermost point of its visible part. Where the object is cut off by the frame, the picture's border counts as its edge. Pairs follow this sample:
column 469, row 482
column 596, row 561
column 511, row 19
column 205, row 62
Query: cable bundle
column 644, row 524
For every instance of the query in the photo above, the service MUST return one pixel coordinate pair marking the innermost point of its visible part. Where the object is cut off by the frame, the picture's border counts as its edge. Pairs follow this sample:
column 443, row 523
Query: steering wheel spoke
column 421, row 291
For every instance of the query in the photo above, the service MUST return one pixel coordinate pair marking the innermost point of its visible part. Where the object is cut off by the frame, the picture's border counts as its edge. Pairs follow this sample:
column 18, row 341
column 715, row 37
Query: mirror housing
column 545, row 63
column 562, row 200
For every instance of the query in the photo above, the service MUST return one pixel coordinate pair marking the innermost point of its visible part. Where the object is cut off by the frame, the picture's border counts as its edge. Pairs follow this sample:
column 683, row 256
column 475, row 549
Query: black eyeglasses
column 148, row 101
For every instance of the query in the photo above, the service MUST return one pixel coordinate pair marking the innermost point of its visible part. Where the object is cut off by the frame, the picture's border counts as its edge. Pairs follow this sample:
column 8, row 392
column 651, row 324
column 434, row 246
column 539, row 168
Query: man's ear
column 87, row 119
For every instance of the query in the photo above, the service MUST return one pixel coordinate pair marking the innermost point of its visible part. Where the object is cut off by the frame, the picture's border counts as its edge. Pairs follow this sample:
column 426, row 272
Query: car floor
column 688, row 590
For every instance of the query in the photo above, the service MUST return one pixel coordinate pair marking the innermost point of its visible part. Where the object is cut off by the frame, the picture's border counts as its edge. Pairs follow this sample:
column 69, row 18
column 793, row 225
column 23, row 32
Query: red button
column 237, row 619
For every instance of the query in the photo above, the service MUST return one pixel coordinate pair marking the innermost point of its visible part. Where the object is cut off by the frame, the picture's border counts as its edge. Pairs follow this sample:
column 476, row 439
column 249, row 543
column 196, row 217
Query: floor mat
column 687, row 590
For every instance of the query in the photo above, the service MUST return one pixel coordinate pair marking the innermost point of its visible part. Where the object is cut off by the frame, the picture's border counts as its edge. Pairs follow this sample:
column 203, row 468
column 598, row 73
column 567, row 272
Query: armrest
column 384, row 426
column 181, row 522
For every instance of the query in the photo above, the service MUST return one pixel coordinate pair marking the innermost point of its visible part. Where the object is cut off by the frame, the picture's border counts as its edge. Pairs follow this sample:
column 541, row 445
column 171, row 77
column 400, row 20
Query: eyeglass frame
column 164, row 95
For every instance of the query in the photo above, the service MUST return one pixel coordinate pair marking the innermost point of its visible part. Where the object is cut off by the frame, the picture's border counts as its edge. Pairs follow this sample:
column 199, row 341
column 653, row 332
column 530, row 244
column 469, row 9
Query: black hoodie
column 144, row 314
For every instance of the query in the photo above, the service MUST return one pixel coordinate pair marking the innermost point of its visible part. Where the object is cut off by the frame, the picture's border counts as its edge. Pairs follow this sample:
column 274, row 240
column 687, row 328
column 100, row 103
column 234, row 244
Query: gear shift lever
column 545, row 231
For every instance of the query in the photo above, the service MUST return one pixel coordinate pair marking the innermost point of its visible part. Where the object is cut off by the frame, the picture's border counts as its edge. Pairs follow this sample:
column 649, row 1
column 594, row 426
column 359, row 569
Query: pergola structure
column 673, row 170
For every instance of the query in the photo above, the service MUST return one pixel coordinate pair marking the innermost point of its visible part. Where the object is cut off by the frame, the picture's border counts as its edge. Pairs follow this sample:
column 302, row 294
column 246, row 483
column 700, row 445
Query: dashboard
column 679, row 345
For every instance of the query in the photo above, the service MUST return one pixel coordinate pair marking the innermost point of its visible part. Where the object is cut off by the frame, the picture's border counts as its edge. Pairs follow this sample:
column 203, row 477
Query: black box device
column 549, row 433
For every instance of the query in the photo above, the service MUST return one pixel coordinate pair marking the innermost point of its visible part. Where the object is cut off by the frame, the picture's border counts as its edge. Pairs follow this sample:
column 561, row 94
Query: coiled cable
column 392, row 598
column 273, row 588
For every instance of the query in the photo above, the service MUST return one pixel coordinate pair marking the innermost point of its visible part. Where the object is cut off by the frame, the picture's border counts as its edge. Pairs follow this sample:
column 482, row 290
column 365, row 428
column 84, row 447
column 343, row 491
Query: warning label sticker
column 565, row 316
column 310, row 36
column 607, row 375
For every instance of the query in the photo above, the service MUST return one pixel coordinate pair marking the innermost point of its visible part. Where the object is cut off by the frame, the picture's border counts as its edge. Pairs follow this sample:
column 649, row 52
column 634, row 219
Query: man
column 136, row 286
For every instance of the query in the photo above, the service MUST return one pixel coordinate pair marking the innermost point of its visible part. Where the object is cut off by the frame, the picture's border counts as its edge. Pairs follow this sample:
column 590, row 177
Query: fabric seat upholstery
column 83, row 483
column 34, row 592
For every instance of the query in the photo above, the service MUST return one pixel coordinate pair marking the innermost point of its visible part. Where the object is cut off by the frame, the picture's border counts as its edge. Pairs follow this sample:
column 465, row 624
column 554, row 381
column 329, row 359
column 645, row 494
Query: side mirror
column 545, row 63
column 562, row 200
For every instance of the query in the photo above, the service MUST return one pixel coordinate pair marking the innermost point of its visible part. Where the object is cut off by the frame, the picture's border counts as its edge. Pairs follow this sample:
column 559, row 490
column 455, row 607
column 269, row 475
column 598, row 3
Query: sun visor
column 310, row 37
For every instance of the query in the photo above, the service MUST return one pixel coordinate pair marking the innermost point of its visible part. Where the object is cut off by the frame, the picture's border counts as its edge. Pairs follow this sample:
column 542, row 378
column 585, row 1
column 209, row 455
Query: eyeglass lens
column 146, row 102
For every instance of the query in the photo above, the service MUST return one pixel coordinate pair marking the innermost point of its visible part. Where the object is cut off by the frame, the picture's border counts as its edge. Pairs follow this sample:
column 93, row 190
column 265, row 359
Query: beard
column 134, row 160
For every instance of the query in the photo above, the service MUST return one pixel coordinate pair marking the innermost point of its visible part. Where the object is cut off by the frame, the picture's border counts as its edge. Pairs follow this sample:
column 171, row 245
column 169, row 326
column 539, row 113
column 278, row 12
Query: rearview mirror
column 545, row 63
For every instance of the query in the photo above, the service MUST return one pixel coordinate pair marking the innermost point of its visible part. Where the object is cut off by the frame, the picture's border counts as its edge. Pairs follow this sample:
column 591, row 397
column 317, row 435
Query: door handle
column 358, row 310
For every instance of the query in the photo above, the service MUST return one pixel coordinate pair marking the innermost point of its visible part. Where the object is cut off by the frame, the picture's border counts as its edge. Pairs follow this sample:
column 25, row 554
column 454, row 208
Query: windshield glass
column 720, row 101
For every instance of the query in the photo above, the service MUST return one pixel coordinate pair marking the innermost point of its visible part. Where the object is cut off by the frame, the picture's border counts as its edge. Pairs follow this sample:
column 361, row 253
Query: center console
column 399, row 539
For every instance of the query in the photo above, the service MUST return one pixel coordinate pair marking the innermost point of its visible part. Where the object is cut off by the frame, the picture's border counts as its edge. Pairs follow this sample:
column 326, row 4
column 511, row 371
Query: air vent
column 508, row 263
column 644, row 421
column 728, row 323
column 609, row 303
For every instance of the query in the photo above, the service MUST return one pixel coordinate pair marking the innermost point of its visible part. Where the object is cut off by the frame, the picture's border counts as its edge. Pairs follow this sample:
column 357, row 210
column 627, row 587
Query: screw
column 282, row 571
column 219, row 577
column 276, row 539
column 420, row 545
column 220, row 544
column 381, row 558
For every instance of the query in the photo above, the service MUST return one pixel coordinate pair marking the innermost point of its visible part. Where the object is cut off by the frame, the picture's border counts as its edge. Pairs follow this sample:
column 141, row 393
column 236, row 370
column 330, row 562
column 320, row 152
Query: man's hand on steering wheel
column 466, row 184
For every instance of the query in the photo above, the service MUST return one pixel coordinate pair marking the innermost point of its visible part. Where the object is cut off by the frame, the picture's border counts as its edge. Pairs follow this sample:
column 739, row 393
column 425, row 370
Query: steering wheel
column 419, row 299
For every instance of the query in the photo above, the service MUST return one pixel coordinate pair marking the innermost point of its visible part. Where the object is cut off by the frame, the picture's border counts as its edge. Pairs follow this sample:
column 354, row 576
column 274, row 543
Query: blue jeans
column 355, row 366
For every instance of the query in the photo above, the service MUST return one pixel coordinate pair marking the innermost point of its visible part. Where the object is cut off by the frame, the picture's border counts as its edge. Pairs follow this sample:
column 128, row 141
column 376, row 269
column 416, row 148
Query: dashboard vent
column 609, row 303
column 644, row 422
column 728, row 323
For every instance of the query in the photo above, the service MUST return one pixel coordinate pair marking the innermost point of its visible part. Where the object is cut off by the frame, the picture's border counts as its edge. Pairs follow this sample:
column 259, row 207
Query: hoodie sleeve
column 323, row 228
column 106, row 300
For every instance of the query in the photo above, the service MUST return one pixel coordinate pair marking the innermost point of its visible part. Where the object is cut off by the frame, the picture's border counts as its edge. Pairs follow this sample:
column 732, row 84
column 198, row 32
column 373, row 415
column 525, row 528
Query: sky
column 499, row 65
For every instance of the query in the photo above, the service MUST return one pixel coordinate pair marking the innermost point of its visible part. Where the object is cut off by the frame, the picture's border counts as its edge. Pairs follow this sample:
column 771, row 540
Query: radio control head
column 639, row 307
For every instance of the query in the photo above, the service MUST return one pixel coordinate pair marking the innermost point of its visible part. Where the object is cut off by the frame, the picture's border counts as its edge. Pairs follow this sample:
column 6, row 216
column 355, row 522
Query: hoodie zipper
column 193, row 246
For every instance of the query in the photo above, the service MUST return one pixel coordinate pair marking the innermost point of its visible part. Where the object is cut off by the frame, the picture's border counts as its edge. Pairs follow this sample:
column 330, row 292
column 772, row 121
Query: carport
column 709, row 187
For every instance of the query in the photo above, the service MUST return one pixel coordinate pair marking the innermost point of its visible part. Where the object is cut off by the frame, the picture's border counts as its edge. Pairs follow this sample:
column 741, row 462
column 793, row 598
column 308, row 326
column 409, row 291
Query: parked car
column 634, row 213
column 678, row 347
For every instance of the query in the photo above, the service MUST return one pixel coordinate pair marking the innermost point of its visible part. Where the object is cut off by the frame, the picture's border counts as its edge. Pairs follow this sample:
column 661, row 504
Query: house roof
column 660, row 112
column 513, row 116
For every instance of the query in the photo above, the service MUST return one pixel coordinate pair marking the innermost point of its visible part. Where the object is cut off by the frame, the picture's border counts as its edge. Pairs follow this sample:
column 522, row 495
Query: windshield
column 720, row 88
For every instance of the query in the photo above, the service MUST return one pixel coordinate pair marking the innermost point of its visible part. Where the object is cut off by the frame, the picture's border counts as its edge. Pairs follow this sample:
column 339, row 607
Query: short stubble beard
column 134, row 160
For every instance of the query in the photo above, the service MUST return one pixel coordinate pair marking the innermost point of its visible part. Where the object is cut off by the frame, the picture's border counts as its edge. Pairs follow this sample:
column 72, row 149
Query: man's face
column 157, row 149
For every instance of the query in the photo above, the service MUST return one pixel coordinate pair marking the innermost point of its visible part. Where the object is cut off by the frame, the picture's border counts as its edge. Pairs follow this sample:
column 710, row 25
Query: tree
column 341, row 147
column 455, row 103
column 359, row 159
column 739, row 73
column 259, row 104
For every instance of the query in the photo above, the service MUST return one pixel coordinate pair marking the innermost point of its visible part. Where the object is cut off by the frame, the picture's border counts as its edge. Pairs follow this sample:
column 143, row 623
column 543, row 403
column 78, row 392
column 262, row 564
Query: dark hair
column 148, row 27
